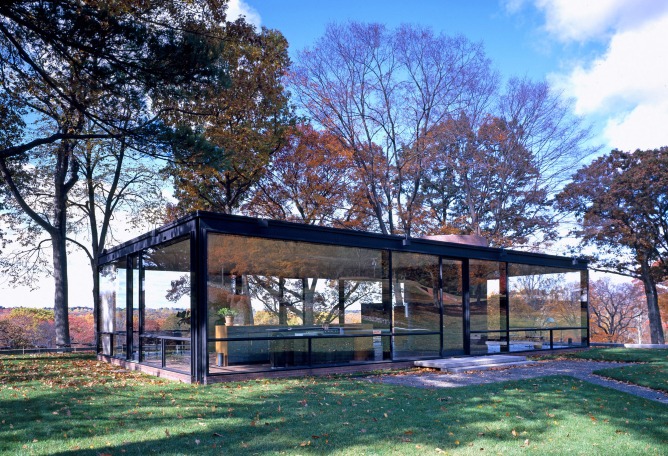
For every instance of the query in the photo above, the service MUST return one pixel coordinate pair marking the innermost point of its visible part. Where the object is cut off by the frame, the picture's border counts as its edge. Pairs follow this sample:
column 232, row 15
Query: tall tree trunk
column 59, row 242
column 96, row 297
column 60, row 303
column 653, row 313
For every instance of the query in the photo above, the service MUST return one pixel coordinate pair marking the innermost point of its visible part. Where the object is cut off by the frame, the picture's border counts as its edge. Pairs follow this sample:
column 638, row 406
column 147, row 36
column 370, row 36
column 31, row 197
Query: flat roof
column 199, row 223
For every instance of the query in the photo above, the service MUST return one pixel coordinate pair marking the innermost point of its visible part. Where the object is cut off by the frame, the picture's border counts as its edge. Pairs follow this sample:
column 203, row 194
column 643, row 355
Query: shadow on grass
column 130, row 415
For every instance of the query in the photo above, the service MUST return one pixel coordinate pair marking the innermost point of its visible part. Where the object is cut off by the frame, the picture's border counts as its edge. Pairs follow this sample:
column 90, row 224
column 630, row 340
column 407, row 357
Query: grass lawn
column 71, row 404
column 653, row 375
column 624, row 355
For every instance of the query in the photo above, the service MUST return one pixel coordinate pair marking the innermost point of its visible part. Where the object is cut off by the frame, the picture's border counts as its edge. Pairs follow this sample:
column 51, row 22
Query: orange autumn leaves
column 311, row 180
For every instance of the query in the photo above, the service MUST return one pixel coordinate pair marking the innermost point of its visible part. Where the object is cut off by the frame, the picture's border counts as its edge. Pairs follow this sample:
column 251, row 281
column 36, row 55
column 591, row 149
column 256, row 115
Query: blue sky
column 510, row 39
column 608, row 56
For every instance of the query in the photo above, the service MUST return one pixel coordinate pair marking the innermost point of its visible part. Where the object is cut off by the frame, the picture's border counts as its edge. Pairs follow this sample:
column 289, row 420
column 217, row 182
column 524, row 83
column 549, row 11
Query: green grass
column 75, row 405
column 652, row 374
column 624, row 355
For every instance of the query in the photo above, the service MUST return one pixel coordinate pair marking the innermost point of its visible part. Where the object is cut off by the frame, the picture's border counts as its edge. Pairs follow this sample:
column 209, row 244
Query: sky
column 608, row 56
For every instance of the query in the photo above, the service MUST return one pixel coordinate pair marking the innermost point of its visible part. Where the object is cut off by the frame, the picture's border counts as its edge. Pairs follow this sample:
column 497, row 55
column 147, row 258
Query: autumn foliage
column 621, row 200
column 34, row 328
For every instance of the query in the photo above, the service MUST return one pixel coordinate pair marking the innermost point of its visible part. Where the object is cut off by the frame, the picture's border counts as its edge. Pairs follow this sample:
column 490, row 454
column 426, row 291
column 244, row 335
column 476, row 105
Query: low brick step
column 470, row 362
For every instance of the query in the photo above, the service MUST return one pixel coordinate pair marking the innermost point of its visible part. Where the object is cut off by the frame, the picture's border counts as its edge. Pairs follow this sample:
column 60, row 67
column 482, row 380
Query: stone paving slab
column 446, row 363
column 581, row 370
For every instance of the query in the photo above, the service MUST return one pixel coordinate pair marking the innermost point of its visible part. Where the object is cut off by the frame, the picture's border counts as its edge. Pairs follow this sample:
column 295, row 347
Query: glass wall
column 453, row 307
column 294, row 304
column 112, row 309
column 488, row 321
column 165, row 322
column 277, row 304
column 416, row 305
column 542, row 299
column 135, row 285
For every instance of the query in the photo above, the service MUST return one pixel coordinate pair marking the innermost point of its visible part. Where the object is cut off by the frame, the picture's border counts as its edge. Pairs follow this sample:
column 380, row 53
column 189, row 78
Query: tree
column 380, row 92
column 309, row 180
column 249, row 121
column 616, row 310
column 387, row 95
column 483, row 181
column 26, row 328
column 71, row 67
column 69, row 50
column 116, row 181
column 622, row 202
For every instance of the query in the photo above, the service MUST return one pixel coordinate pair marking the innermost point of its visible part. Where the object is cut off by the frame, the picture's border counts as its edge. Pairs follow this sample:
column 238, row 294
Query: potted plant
column 228, row 314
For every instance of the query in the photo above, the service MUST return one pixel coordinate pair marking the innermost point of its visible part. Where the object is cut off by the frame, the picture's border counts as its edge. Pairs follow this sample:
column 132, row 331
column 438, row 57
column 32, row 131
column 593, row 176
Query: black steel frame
column 198, row 225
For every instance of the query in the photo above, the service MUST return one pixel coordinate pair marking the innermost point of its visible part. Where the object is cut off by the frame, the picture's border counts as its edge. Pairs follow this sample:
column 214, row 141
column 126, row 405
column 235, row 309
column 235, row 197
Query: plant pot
column 229, row 320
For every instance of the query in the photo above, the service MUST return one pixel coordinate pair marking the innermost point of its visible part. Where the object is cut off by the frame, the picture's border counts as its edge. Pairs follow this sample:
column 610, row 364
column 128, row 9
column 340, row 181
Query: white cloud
column 632, row 70
column 573, row 20
column 237, row 8
column 643, row 128
column 625, row 88
column 628, row 85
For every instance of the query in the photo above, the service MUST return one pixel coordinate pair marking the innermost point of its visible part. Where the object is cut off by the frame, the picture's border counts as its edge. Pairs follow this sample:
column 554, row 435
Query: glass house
column 300, row 297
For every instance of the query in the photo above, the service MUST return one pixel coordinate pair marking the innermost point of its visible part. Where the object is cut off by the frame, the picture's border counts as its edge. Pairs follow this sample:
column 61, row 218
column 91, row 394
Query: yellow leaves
column 514, row 433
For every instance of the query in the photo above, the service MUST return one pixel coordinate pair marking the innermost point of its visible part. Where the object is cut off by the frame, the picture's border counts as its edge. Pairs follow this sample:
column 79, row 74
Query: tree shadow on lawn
column 340, row 415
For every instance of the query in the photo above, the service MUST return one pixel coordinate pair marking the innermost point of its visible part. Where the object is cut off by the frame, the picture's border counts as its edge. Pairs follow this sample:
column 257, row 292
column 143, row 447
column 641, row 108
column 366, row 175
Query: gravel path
column 579, row 369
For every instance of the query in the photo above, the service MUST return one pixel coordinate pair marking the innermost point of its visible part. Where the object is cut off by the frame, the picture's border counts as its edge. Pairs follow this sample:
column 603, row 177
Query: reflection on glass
column 544, row 298
column 112, row 305
column 416, row 307
column 453, row 308
column 135, row 308
column 166, row 312
column 485, row 308
column 283, row 293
